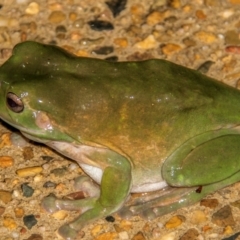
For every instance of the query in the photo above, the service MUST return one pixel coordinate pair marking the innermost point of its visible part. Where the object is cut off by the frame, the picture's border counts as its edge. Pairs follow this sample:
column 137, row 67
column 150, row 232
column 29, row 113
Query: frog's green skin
column 132, row 126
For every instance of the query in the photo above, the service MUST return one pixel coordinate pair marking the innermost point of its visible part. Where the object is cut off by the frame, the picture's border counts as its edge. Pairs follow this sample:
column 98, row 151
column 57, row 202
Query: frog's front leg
column 114, row 190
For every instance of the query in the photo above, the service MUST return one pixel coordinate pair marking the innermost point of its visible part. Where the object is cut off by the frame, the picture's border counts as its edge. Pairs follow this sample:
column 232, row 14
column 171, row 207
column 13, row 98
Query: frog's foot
column 66, row 232
column 86, row 185
column 52, row 204
column 49, row 203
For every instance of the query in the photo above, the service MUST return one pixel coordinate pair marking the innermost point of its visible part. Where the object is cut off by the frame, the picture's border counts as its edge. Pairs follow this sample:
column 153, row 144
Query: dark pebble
column 61, row 29
column 35, row 237
column 29, row 221
column 27, row 190
column 112, row 59
column 203, row 68
column 191, row 233
column 103, row 50
column 49, row 184
column 46, row 158
column 110, row 219
column 28, row 153
column 233, row 237
column 59, row 172
column 99, row 25
column 223, row 217
column 116, row 6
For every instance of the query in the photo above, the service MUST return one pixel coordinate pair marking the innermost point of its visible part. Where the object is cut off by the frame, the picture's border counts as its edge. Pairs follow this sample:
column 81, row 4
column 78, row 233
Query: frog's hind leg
column 201, row 166
column 170, row 199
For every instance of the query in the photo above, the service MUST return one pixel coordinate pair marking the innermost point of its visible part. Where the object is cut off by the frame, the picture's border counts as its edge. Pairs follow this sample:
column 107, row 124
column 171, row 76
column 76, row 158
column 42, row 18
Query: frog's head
column 28, row 91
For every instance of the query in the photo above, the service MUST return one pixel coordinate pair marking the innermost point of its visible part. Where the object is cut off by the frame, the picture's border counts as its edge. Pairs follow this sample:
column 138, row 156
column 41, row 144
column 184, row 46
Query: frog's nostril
column 14, row 102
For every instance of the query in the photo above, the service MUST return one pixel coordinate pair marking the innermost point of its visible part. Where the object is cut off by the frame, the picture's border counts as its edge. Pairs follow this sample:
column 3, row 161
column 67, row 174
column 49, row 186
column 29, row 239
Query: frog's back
column 147, row 109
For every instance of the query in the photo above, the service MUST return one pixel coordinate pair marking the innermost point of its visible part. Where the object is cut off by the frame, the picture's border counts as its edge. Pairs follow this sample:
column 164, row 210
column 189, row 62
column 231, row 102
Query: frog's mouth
column 41, row 130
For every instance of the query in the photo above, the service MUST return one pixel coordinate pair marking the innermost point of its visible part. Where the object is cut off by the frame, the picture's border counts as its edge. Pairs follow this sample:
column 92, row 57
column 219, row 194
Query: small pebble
column 107, row 236
column 227, row 13
column 147, row 43
column 168, row 236
column 38, row 178
column 103, row 50
column 233, row 237
column 49, row 184
column 99, row 25
column 123, row 235
column 234, row 1
column 47, row 158
column 29, row 221
column 5, row 140
column 27, row 190
column 60, row 215
column 110, row 219
column 210, row 203
column 33, row 8
column 28, row 153
column 29, row 171
column 2, row 210
column 175, row 3
column 174, row 222
column 6, row 161
column 96, row 230
column 223, row 217
column 19, row 212
column 205, row 37
column 5, row 196
column 57, row 17
column 35, row 237
column 232, row 37
column 198, row 217
column 170, row 48
column 156, row 17
column 204, row 67
column 138, row 236
column 191, row 234
column 116, row 6
column 9, row 223
column 121, row 42
column 59, row 172
column 228, row 230
column 200, row 15
column 233, row 49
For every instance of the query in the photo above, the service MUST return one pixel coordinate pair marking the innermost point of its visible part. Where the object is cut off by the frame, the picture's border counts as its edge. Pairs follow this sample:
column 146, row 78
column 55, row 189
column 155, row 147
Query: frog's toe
column 148, row 214
column 68, row 233
column 85, row 184
column 125, row 213
column 49, row 203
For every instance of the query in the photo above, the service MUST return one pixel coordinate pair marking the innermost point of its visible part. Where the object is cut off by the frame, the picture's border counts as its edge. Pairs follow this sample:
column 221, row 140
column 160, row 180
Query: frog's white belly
column 96, row 174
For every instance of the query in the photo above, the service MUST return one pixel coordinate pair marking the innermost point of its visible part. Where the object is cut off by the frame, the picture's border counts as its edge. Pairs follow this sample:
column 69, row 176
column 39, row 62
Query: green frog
column 134, row 127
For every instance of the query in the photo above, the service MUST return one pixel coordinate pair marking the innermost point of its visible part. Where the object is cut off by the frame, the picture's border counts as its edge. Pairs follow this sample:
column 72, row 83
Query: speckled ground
column 198, row 34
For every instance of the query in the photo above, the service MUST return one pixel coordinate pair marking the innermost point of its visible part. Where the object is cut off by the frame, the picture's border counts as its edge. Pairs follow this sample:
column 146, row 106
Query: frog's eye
column 14, row 103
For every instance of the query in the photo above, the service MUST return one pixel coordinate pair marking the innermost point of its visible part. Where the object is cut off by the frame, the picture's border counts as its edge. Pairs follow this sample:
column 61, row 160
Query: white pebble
column 123, row 235
column 16, row 193
column 21, row 1
column 227, row 13
column 15, row 234
column 73, row 166
column 169, row 236
column 214, row 235
column 32, row 9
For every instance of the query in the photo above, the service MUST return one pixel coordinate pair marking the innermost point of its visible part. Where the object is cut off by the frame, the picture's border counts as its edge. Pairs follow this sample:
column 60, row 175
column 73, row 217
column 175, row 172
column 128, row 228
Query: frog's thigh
column 207, row 163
